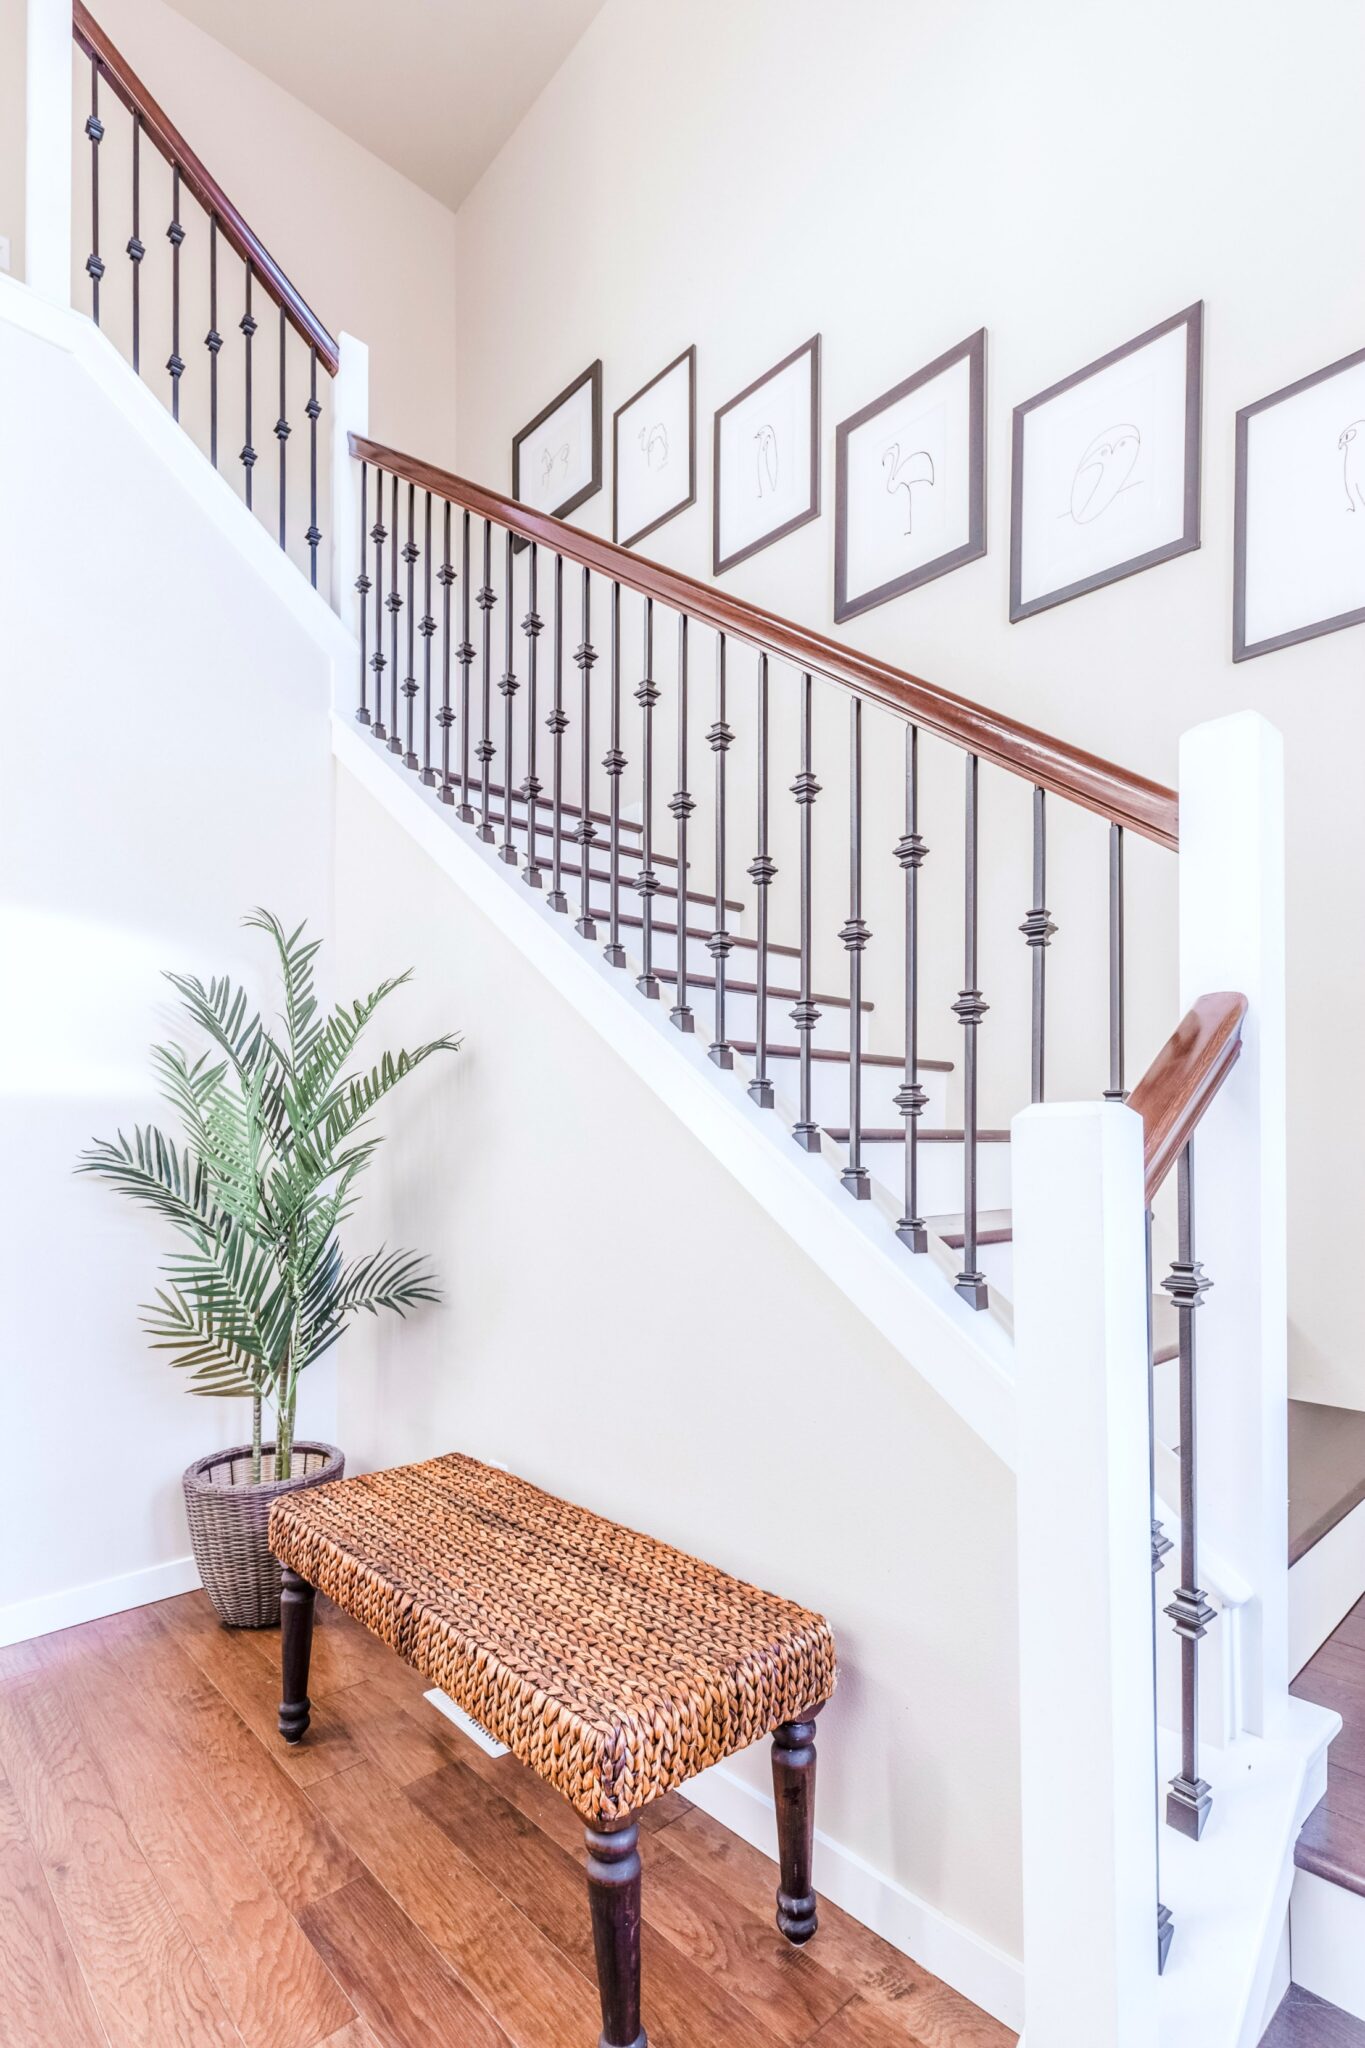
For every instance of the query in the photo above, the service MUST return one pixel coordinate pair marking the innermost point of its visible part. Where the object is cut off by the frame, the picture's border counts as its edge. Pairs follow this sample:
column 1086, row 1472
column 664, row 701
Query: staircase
column 805, row 894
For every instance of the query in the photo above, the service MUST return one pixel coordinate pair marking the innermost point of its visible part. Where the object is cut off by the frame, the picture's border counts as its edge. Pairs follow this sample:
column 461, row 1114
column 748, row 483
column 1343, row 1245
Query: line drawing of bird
column 903, row 472
column 550, row 457
column 766, row 457
column 1104, row 471
column 1351, row 442
column 654, row 441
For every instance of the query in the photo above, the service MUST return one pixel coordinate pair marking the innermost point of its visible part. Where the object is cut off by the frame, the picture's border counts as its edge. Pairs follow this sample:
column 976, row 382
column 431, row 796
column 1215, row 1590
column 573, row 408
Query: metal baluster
column 175, row 235
column 508, row 686
column 248, row 327
column 136, row 251
column 445, row 717
column 1161, row 1545
column 614, row 761
column 410, row 554
column 587, row 831
column 556, row 723
column 485, row 749
column 464, row 654
column 805, row 1016
column 313, row 408
column 1189, row 1798
column 1038, row 930
column 531, row 625
column 362, row 584
column 911, row 1099
column 969, row 1009
column 378, row 534
column 682, row 807
column 646, row 880
column 94, row 128
column 855, row 936
column 213, row 341
column 1116, row 1091
column 282, row 433
column 395, row 605
column 719, row 944
column 427, row 627
column 761, row 870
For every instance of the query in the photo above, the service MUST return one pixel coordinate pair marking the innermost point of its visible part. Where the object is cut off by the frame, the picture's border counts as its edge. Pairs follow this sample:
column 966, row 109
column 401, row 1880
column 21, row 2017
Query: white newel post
column 350, row 415
column 1087, row 1712
column 1232, row 937
column 47, row 150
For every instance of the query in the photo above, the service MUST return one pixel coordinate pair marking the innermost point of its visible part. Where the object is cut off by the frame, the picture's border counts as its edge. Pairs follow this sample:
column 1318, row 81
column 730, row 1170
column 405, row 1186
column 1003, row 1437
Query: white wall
column 895, row 176
column 165, row 768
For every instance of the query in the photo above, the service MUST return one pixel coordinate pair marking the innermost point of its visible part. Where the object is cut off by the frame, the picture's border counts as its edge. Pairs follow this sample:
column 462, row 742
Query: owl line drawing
column 766, row 460
column 903, row 472
column 1104, row 471
column 654, row 442
column 552, row 459
column 1351, row 442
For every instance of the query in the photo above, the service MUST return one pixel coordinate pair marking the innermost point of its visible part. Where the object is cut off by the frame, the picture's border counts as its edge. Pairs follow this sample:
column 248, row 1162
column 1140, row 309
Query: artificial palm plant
column 275, row 1138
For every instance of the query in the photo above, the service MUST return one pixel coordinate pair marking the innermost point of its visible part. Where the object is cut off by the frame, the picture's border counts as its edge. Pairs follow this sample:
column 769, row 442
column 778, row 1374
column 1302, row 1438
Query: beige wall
column 623, row 1324
column 12, row 39
column 894, row 176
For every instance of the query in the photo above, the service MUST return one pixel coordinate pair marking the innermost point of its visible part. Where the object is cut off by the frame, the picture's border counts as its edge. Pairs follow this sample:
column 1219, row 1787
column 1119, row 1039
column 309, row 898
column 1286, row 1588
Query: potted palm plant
column 276, row 1133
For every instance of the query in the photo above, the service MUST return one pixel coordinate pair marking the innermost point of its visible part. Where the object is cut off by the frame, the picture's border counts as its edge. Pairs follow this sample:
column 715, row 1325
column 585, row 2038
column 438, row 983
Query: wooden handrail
column 1184, row 1078
column 1125, row 799
column 163, row 134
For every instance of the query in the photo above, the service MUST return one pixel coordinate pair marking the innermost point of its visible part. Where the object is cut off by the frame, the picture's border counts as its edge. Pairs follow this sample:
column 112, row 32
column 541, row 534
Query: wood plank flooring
column 174, row 1877
column 1307, row 2022
column 1332, row 1843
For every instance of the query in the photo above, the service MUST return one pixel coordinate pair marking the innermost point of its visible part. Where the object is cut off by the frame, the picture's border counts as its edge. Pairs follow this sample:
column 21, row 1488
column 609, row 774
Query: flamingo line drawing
column 550, row 457
column 766, row 458
column 1351, row 442
column 1104, row 471
column 903, row 472
column 654, row 441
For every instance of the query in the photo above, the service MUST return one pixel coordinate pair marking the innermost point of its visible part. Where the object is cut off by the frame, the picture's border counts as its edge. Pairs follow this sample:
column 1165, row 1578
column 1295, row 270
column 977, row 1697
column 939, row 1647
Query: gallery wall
column 1066, row 176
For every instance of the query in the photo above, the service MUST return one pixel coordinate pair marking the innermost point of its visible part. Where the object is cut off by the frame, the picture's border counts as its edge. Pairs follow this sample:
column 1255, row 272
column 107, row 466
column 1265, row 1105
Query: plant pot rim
column 196, row 1478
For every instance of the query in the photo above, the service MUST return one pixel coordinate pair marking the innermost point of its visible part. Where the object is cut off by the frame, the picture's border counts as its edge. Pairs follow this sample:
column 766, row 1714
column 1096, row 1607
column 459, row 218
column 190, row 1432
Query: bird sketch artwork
column 1104, row 472
column 903, row 472
column 654, row 445
column 554, row 460
column 766, row 460
column 653, row 439
column 1351, row 443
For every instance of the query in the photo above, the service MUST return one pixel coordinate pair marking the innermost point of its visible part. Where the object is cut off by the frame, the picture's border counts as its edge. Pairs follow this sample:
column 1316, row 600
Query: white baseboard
column 23, row 1619
column 1324, row 1586
column 985, row 1975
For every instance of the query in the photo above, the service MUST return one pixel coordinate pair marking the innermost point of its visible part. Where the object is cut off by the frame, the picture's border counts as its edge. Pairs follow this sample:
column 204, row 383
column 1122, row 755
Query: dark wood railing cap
column 1184, row 1078
column 163, row 134
column 1098, row 785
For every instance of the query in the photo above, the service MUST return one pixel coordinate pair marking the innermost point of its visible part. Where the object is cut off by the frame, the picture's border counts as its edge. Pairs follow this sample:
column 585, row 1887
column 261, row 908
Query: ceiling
column 434, row 87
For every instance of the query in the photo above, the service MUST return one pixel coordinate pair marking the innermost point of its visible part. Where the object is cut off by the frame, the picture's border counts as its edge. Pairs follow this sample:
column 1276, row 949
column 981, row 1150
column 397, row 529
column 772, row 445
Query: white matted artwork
column 557, row 459
column 654, row 452
column 910, row 482
column 766, row 479
column 1106, row 468
column 1300, row 546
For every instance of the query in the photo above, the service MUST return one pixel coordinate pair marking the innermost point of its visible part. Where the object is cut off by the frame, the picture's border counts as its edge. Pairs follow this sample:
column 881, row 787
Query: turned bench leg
column 296, row 1647
column 794, row 1795
column 614, row 1895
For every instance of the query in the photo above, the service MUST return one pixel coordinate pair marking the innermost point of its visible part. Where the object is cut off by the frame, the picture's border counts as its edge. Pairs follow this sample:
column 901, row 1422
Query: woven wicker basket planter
column 228, row 1515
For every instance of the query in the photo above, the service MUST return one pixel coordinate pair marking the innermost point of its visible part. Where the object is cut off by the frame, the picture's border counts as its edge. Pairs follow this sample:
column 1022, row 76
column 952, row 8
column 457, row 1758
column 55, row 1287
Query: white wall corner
column 1087, row 1678
column 1232, row 937
column 47, row 150
column 350, row 415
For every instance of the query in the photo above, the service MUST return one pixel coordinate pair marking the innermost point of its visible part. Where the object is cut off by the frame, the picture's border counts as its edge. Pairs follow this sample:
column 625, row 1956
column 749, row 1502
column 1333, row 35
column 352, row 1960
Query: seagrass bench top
column 613, row 1665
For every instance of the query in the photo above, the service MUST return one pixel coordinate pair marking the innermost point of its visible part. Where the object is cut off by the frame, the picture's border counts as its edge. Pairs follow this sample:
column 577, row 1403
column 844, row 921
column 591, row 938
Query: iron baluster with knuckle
column 135, row 248
column 1039, row 931
column 531, row 626
column 508, row 686
column 247, row 324
column 1189, row 1798
column 911, row 1099
column 410, row 553
column 646, row 880
column 445, row 717
column 175, row 235
column 761, row 870
column 427, row 626
column 394, row 602
column 556, row 723
column 969, row 1009
column 282, row 431
column 464, row 654
column 94, row 128
column 1116, row 1091
column 855, row 935
column 1161, row 1546
column 682, row 806
column 805, row 1015
column 213, row 342
column 614, row 761
column 585, row 832
column 313, row 409
column 362, row 584
column 485, row 749
column 378, row 534
column 719, row 945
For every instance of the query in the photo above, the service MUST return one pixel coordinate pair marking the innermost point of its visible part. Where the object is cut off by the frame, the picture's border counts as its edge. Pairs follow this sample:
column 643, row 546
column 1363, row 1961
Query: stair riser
column 940, row 1175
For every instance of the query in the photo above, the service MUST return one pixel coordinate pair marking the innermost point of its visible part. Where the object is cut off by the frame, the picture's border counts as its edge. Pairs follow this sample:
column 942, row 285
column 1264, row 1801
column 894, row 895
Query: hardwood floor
column 173, row 1876
column 1306, row 2022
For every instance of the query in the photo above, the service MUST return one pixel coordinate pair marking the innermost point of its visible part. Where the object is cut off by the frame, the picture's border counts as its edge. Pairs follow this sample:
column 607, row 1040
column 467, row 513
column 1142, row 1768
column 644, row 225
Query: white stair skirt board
column 1324, row 1586
column 24, row 1619
column 965, row 1356
column 1327, row 1941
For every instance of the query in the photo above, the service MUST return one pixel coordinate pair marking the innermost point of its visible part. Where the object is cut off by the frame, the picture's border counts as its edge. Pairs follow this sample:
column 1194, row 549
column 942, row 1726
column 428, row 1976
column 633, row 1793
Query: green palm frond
column 151, row 1169
column 296, row 956
column 224, row 1013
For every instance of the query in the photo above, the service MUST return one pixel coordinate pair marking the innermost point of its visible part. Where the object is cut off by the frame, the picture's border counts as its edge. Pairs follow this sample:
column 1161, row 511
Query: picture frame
column 925, row 436
column 1299, row 519
column 1106, row 468
column 654, row 452
column 557, row 456
column 766, row 459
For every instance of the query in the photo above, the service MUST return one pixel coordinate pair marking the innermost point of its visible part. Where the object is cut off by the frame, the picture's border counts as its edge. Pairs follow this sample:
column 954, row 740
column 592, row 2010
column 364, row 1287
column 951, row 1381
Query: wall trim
column 48, row 1612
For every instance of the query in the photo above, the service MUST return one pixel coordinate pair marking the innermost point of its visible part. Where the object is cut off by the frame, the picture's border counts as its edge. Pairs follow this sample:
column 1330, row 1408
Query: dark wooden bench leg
column 614, row 1895
column 296, row 1647
column 794, row 1794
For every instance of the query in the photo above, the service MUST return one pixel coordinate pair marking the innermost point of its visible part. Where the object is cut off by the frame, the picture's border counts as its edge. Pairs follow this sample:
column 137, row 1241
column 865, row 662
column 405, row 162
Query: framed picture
column 654, row 452
column 557, row 459
column 767, row 459
column 1299, row 561
column 910, row 482
column 1106, row 468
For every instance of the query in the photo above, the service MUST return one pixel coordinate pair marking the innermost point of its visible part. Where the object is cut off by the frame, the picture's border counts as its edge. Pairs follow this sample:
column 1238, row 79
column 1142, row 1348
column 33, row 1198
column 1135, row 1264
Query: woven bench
column 613, row 1666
